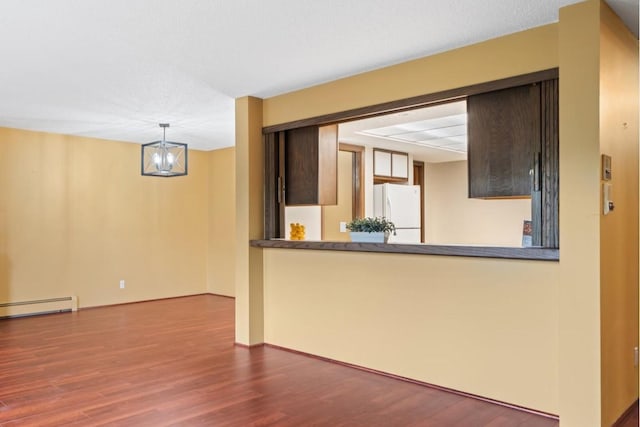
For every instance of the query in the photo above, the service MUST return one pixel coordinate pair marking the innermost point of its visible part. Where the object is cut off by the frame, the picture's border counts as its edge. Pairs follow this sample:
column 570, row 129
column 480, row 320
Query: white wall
column 309, row 216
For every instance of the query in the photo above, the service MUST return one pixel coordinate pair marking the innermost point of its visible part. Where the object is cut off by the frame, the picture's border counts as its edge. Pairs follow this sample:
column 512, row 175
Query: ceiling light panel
column 446, row 133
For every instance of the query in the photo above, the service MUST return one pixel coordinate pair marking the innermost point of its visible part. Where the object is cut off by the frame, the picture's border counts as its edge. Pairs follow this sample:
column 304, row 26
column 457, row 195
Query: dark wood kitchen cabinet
column 513, row 143
column 311, row 165
column 504, row 130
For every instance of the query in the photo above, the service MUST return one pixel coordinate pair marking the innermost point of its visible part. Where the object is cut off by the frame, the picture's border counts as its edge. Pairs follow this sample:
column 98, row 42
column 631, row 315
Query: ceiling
column 432, row 134
column 114, row 69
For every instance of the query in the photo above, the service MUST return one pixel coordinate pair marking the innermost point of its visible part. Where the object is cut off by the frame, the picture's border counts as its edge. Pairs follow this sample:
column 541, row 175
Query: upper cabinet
column 311, row 165
column 503, row 141
column 390, row 166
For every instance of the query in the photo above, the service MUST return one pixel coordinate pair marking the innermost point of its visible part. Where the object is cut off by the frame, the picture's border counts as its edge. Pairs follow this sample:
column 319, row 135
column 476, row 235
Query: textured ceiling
column 114, row 69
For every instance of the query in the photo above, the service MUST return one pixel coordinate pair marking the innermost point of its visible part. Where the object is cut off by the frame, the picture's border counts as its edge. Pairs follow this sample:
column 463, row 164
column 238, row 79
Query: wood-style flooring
column 173, row 362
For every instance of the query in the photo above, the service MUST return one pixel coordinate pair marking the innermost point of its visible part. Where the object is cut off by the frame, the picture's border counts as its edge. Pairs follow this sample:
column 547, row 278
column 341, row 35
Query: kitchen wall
column 222, row 222
column 453, row 218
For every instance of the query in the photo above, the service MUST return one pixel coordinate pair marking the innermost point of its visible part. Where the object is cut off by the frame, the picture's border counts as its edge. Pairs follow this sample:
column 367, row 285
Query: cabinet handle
column 537, row 161
column 280, row 190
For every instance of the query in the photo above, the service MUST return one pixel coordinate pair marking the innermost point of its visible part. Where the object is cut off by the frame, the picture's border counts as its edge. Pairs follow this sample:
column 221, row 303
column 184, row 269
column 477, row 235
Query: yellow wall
column 479, row 325
column 619, row 230
column 483, row 326
column 76, row 217
column 222, row 222
column 515, row 54
column 579, row 292
column 451, row 217
column 249, row 221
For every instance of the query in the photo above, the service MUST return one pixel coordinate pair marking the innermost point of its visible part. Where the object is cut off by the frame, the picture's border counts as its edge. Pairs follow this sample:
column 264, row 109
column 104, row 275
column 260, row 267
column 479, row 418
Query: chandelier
column 164, row 158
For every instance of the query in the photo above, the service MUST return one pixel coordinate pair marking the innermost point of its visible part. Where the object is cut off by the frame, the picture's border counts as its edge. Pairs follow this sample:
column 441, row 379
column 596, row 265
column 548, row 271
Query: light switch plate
column 606, row 167
column 606, row 198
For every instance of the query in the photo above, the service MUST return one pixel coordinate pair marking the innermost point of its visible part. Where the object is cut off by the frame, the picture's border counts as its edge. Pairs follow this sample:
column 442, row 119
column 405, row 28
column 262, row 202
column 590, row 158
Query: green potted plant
column 370, row 229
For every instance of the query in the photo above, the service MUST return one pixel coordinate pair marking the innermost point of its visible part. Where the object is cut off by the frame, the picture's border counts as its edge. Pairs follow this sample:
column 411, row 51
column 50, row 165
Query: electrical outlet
column 343, row 227
column 122, row 284
column 635, row 356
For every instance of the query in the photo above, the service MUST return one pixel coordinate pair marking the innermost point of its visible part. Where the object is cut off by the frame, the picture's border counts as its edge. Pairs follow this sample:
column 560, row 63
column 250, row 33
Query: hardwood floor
column 630, row 418
column 173, row 362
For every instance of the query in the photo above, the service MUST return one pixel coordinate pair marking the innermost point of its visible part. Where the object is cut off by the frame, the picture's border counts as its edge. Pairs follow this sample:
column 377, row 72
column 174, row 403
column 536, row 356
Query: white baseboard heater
column 35, row 307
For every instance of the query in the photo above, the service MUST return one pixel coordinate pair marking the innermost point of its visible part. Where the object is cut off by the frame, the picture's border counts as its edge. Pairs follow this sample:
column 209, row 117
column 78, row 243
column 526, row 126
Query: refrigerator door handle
column 388, row 208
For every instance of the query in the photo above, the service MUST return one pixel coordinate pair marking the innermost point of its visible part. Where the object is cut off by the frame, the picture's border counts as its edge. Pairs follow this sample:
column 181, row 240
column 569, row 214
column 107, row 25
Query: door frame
column 418, row 179
column 357, row 177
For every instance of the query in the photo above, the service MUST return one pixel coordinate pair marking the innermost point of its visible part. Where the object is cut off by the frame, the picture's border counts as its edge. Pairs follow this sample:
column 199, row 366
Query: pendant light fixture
column 164, row 158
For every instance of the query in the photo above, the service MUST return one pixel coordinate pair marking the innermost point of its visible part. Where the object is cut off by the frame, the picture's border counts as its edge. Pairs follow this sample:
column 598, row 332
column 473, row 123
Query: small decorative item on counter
column 370, row 230
column 297, row 231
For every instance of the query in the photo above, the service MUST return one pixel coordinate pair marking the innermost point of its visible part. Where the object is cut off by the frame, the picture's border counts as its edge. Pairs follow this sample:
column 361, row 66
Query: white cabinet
column 390, row 165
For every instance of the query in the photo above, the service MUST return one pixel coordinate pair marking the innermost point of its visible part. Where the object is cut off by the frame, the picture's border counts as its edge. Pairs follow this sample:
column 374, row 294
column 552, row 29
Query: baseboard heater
column 36, row 307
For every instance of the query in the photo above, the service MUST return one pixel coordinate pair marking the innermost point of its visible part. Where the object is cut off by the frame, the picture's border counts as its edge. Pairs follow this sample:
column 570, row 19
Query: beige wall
column 483, row 326
column 515, row 54
column 579, row 327
column 222, row 222
column 619, row 230
column 249, row 221
column 76, row 217
column 451, row 217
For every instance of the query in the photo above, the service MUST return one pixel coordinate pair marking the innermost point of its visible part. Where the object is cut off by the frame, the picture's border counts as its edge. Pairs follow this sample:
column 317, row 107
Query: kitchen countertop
column 533, row 253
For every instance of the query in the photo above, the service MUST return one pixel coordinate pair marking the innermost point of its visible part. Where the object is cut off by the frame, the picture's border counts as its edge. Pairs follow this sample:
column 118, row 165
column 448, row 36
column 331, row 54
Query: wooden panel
column 301, row 166
column 550, row 165
column 540, row 254
column 357, row 178
column 501, row 128
column 418, row 179
column 271, row 208
column 535, row 175
column 328, row 165
column 311, row 166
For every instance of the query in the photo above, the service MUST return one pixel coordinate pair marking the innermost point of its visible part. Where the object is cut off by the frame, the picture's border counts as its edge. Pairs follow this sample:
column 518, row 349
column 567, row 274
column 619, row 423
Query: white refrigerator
column 399, row 204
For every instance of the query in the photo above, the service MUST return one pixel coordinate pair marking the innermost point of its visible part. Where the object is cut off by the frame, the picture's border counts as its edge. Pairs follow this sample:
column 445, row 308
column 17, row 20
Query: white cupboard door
column 400, row 165
column 381, row 163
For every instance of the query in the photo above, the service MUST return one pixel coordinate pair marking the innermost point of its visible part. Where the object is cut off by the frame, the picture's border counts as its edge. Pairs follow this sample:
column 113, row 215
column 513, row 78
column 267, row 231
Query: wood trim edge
column 152, row 300
column 626, row 414
column 248, row 347
column 417, row 382
column 515, row 253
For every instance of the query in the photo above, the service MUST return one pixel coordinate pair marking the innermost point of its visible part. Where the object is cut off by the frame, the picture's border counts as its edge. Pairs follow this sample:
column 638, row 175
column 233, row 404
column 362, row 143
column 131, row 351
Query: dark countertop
column 541, row 254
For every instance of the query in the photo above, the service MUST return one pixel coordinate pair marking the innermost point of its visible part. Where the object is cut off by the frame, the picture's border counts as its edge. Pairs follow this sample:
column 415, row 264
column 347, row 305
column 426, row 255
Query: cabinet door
column 503, row 137
column 311, row 165
column 381, row 163
column 400, row 165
